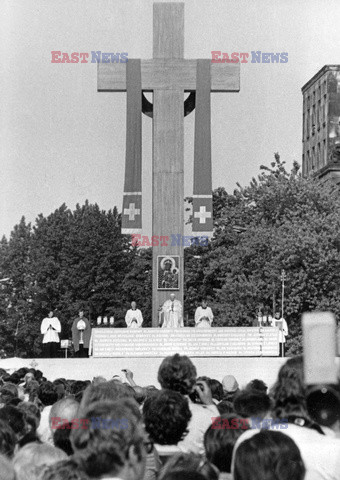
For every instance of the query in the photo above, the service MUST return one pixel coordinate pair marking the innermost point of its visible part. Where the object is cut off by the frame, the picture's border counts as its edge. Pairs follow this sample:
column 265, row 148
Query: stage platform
column 145, row 369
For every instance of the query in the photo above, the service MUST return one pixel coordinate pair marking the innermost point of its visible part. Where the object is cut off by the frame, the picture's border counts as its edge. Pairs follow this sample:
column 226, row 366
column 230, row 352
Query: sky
column 63, row 142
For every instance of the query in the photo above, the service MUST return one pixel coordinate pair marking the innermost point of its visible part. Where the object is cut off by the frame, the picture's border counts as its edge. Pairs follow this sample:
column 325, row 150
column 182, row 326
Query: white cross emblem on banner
column 131, row 211
column 202, row 214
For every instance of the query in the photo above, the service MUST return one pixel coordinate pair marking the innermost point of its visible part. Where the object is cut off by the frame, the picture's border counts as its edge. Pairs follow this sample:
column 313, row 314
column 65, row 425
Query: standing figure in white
column 133, row 317
column 172, row 312
column 203, row 316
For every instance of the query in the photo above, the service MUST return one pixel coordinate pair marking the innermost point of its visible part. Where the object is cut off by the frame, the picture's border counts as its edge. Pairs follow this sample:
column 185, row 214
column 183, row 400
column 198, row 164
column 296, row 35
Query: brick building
column 321, row 124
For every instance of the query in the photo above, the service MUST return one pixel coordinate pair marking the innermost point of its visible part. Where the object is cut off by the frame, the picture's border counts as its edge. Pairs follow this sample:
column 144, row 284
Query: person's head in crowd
column 225, row 407
column 230, row 387
column 16, row 419
column 64, row 470
column 257, row 385
column 268, row 455
column 219, row 442
column 32, row 412
column 32, row 418
column 32, row 390
column 188, row 462
column 3, row 372
column 6, row 469
column 65, row 409
column 78, row 388
column 47, row 393
column 8, row 392
column 177, row 373
column 166, row 417
column 60, row 419
column 15, row 378
column 8, row 439
column 216, row 388
column 289, row 393
column 38, row 375
column 252, row 404
column 105, row 391
column 30, row 460
column 28, row 378
column 119, row 450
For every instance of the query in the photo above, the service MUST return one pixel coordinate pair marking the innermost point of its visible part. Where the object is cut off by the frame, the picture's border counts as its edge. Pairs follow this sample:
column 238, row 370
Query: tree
column 280, row 220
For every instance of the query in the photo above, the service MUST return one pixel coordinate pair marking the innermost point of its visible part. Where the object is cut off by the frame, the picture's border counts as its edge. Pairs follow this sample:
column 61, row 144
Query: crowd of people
column 191, row 428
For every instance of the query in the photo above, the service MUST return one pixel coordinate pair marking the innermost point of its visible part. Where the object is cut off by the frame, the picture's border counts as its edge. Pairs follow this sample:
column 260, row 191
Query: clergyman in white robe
column 173, row 313
column 133, row 317
column 203, row 316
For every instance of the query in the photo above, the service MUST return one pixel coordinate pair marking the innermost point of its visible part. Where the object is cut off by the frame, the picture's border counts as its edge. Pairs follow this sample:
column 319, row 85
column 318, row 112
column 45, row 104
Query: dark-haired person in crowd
column 219, row 443
column 117, row 452
column 178, row 373
column 50, row 328
column 252, row 405
column 268, row 455
column 81, row 335
column 166, row 417
column 188, row 464
column 257, row 386
column 7, row 439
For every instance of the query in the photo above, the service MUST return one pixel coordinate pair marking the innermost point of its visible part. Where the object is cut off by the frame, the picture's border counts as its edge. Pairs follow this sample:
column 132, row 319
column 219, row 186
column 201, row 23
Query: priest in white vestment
column 133, row 317
column 203, row 316
column 172, row 312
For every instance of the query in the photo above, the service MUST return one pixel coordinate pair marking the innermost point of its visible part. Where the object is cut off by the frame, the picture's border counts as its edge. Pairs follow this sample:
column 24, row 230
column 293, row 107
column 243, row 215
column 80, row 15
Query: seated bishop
column 172, row 313
column 133, row 317
column 203, row 316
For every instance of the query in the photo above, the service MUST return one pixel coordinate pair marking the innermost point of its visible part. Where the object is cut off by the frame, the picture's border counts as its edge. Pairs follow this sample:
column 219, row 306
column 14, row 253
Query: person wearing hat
column 81, row 335
column 230, row 387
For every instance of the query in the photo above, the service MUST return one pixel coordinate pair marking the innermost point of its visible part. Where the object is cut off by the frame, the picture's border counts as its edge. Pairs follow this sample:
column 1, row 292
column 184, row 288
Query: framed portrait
column 168, row 272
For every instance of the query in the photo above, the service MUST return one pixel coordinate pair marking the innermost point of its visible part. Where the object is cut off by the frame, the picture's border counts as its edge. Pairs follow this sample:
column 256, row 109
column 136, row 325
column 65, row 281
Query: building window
column 318, row 158
column 308, row 162
column 308, row 123
column 324, row 153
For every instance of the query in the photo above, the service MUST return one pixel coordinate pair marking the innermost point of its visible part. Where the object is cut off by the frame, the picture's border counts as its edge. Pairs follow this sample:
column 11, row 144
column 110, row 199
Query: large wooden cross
column 168, row 75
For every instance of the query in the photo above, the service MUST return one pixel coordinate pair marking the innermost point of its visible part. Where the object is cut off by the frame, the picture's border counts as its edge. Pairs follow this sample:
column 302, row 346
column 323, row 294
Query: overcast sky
column 64, row 142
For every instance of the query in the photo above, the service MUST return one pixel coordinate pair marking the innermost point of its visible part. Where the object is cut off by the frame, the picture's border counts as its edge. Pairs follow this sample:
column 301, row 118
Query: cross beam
column 168, row 75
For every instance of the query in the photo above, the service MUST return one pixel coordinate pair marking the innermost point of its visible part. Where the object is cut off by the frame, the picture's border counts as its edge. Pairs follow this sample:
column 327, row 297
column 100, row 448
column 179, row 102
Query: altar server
column 203, row 316
column 134, row 317
column 50, row 328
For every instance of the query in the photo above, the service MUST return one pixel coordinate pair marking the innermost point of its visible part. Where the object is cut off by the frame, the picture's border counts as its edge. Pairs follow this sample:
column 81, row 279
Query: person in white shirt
column 178, row 373
column 50, row 328
column 133, row 317
column 203, row 316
